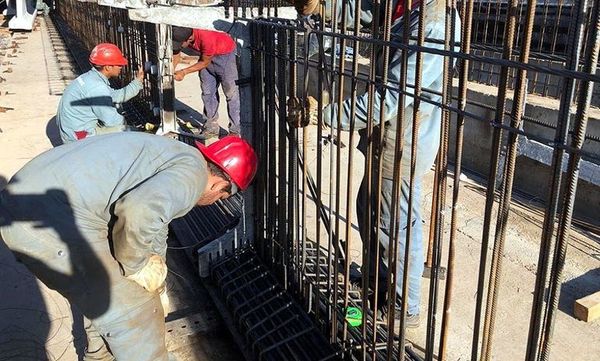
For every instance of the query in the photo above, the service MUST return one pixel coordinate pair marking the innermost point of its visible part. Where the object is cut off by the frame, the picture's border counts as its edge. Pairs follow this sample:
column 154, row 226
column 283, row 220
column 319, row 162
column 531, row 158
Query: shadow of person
column 53, row 133
column 24, row 317
column 41, row 231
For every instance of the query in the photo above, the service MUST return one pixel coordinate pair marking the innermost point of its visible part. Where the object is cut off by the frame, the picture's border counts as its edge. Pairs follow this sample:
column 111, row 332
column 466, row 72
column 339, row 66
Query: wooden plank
column 588, row 308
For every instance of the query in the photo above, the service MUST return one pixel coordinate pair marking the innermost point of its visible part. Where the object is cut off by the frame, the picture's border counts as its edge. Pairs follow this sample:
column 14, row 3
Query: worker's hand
column 164, row 299
column 312, row 110
column 152, row 276
column 179, row 75
column 140, row 74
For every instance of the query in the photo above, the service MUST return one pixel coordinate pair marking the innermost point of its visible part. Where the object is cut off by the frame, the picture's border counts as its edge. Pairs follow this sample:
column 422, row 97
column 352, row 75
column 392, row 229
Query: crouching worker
column 87, row 105
column 90, row 220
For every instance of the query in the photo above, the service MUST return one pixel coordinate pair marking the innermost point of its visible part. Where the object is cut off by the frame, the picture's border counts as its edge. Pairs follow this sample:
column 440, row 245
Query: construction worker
column 90, row 220
column 427, row 146
column 87, row 105
column 217, row 65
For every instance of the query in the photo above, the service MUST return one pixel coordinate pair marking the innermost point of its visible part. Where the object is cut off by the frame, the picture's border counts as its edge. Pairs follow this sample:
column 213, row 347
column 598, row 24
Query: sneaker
column 306, row 7
column 411, row 320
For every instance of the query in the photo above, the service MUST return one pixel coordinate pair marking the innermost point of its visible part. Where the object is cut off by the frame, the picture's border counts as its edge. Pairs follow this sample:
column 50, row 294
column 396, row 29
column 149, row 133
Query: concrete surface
column 37, row 323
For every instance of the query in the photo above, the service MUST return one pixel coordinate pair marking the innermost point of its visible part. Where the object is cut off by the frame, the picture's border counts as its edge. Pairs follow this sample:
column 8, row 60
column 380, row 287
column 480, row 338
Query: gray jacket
column 88, row 102
column 122, row 187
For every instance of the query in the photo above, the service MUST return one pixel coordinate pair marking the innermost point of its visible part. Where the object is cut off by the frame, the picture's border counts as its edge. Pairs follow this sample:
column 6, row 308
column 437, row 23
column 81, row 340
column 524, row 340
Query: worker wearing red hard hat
column 87, row 106
column 216, row 67
column 97, row 235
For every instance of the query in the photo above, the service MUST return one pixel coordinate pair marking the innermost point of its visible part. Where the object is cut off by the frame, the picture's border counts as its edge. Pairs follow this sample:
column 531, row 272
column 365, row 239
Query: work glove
column 152, row 276
column 164, row 299
column 312, row 110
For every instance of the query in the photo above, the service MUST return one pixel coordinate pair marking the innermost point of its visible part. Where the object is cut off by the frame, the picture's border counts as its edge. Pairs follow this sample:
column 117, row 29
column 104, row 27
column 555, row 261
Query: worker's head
column 232, row 163
column 182, row 38
column 108, row 59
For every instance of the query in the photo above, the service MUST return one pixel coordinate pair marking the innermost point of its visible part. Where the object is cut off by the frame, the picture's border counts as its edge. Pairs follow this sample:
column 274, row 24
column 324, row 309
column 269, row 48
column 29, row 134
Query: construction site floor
column 37, row 323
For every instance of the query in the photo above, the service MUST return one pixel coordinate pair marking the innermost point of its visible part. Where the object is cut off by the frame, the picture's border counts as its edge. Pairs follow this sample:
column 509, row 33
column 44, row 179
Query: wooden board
column 588, row 308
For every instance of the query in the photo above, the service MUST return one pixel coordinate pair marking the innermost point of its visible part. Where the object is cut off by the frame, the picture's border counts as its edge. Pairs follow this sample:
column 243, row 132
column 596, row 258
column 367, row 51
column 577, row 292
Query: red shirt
column 210, row 42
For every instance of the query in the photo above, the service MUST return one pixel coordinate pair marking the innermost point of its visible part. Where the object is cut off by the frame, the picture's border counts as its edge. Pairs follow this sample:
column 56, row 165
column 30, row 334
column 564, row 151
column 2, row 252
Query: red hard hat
column 107, row 54
column 235, row 156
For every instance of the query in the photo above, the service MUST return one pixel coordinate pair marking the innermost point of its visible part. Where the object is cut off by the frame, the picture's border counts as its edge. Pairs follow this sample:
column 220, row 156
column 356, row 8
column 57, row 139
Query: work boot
column 411, row 320
column 306, row 7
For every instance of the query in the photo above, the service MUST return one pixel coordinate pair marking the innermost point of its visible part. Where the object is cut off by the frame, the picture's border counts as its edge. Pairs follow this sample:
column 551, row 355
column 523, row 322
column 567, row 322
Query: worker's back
column 85, row 178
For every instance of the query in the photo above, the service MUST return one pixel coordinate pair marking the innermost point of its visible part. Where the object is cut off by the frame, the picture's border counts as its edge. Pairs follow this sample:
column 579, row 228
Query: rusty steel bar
column 506, row 192
column 493, row 172
column 562, row 238
column 467, row 11
column 576, row 31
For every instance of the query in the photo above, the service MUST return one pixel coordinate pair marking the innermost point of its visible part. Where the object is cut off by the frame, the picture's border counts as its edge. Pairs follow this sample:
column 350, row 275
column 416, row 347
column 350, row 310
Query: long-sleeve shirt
column 89, row 102
column 122, row 187
column 430, row 114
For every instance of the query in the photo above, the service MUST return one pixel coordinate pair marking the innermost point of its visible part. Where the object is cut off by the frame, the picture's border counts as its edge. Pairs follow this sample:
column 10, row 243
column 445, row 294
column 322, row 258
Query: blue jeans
column 222, row 70
column 416, row 257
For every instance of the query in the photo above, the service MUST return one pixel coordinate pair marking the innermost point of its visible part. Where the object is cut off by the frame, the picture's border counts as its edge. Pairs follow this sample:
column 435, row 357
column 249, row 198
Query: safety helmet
column 107, row 54
column 234, row 156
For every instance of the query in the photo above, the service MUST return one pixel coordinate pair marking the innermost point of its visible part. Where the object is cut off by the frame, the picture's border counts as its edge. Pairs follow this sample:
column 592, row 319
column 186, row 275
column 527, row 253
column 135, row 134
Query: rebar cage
column 321, row 238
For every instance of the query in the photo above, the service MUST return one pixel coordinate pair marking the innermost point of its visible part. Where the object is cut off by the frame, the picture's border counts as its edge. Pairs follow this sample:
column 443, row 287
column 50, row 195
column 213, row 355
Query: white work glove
column 312, row 112
column 164, row 300
column 152, row 276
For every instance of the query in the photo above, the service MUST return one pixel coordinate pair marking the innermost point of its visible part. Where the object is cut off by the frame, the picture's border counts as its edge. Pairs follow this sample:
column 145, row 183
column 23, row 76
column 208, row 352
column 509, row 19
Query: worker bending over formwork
column 216, row 66
column 90, row 220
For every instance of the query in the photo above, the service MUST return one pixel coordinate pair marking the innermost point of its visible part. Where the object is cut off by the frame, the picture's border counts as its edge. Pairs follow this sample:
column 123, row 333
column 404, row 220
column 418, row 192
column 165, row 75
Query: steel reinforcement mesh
column 553, row 27
column 308, row 225
column 83, row 25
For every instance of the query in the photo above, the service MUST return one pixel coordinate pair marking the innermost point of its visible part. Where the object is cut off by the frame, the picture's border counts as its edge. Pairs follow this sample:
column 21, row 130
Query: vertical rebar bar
column 578, row 137
column 575, row 44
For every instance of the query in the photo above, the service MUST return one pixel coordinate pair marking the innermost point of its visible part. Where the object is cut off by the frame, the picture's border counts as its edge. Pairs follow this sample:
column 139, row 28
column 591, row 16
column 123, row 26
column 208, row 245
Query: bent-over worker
column 217, row 66
column 90, row 220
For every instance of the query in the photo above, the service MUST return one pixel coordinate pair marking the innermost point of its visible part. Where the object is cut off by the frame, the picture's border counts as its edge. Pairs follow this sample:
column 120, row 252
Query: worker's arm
column 132, row 89
column 176, row 60
column 431, row 70
column 101, row 101
column 143, row 214
column 201, row 64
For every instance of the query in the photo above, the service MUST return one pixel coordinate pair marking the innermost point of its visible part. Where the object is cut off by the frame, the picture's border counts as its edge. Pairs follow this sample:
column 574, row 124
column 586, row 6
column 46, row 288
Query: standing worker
column 90, row 220
column 217, row 65
column 427, row 147
column 87, row 105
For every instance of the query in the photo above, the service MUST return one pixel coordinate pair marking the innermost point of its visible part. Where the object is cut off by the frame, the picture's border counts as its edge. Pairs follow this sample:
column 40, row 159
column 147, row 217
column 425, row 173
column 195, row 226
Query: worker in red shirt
column 217, row 65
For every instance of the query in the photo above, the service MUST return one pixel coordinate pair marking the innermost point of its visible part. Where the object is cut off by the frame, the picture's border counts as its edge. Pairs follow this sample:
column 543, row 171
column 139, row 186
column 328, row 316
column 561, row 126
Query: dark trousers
column 222, row 70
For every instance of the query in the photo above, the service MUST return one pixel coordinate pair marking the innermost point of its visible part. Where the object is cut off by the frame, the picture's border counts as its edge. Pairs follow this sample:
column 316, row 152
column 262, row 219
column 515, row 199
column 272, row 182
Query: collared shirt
column 210, row 42
column 88, row 102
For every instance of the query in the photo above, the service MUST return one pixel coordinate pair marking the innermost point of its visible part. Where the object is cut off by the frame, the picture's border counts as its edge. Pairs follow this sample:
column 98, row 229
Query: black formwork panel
column 273, row 326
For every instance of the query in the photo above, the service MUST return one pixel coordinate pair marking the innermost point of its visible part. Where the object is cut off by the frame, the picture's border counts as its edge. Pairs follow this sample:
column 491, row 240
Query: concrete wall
column 533, row 173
